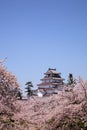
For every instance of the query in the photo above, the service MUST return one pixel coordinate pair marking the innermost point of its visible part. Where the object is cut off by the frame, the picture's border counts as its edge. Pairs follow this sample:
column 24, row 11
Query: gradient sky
column 38, row 34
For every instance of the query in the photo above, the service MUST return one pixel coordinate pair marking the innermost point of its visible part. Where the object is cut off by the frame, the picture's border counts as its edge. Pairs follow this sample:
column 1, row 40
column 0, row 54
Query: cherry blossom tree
column 9, row 86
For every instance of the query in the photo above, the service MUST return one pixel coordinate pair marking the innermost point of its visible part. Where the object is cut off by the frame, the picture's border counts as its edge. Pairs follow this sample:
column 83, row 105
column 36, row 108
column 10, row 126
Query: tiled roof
column 48, row 83
column 53, row 78
column 52, row 71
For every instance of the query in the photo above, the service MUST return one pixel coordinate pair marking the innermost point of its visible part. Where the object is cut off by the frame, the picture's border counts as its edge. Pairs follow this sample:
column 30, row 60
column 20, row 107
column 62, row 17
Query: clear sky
column 38, row 34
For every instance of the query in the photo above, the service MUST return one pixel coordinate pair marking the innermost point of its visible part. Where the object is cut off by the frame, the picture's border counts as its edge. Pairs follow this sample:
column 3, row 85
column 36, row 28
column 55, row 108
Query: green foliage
column 50, row 121
column 73, row 123
column 71, row 80
column 29, row 85
column 19, row 95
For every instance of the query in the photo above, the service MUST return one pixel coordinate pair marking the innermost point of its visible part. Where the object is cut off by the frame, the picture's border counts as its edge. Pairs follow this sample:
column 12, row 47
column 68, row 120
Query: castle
column 51, row 82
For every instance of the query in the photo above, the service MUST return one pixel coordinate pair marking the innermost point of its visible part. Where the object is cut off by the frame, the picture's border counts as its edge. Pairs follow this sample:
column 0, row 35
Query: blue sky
column 38, row 34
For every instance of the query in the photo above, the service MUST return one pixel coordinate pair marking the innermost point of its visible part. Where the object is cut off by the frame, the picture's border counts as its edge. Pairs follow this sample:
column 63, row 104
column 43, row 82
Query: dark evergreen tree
column 29, row 85
column 18, row 94
column 71, row 80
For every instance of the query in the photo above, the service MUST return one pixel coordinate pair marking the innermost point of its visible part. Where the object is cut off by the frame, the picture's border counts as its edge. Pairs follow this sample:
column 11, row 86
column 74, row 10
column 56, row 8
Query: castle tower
column 51, row 81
